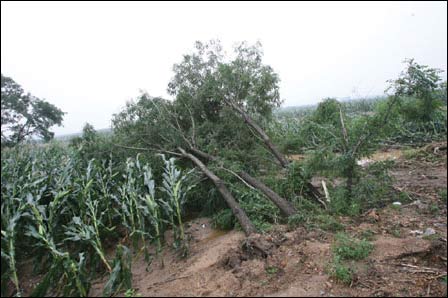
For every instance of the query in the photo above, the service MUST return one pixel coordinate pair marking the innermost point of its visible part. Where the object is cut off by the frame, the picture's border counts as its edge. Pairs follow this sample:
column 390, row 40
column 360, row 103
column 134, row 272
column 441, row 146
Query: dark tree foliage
column 24, row 115
column 207, row 80
column 204, row 85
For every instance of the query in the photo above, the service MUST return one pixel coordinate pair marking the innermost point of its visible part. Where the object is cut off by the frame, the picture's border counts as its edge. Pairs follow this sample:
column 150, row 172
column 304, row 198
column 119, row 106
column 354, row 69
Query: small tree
column 24, row 115
column 340, row 141
column 421, row 89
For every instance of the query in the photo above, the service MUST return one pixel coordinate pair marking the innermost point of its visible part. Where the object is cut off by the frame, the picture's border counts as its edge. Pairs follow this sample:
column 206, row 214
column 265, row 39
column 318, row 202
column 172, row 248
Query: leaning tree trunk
column 312, row 191
column 286, row 207
column 239, row 213
column 280, row 157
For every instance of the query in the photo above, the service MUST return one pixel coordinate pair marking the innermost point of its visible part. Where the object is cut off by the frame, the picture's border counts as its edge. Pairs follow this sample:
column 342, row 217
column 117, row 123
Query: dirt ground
column 403, row 262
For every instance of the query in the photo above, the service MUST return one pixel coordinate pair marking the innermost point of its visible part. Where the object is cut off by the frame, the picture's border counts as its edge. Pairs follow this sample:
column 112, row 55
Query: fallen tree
column 239, row 213
column 203, row 118
column 285, row 206
column 310, row 190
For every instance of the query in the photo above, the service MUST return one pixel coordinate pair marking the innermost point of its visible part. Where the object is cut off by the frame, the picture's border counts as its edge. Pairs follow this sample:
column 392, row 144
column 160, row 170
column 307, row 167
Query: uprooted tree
column 218, row 113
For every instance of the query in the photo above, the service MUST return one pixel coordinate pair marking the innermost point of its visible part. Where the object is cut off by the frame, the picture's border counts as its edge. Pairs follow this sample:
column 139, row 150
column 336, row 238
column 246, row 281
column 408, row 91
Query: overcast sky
column 90, row 58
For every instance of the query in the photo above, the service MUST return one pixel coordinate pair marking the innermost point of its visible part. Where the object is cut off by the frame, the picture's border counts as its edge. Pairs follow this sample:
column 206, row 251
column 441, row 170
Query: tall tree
column 24, row 115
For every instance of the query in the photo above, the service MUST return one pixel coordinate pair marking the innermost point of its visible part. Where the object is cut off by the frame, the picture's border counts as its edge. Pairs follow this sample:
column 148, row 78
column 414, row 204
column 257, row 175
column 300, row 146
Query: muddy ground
column 403, row 263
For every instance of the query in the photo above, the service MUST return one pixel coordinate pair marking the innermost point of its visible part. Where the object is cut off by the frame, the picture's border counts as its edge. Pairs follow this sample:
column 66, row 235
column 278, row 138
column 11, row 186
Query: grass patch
column 341, row 272
column 442, row 195
column 328, row 223
column 322, row 221
column 432, row 237
column 296, row 220
column 444, row 279
column 348, row 248
column 271, row 270
column 410, row 154
column 434, row 209
column 395, row 231
column 367, row 235
column 132, row 293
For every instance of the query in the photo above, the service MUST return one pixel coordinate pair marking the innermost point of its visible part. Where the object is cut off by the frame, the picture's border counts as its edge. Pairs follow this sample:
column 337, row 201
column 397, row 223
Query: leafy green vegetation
column 442, row 195
column 271, row 270
column 348, row 248
column 341, row 272
column 65, row 204
column 24, row 115
column 68, row 210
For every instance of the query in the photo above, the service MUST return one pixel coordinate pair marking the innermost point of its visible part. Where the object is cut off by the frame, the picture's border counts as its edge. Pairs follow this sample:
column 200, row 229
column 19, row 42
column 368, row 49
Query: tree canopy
column 208, row 86
column 24, row 115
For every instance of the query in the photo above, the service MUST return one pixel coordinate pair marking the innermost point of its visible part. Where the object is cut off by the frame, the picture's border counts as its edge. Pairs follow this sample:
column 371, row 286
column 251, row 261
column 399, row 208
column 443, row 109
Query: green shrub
column 297, row 220
column 328, row 223
column 341, row 272
column 348, row 248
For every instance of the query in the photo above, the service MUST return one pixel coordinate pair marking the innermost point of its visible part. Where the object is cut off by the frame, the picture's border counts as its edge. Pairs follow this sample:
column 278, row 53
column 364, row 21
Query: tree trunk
column 285, row 206
column 312, row 191
column 239, row 213
column 283, row 161
column 203, row 154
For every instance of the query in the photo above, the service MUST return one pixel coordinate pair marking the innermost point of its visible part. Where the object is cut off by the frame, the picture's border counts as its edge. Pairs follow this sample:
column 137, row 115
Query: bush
column 329, row 223
column 341, row 272
column 348, row 248
column 373, row 189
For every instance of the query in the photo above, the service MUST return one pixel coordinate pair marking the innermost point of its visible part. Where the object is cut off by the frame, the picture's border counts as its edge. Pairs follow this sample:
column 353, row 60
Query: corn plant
column 61, row 205
column 63, row 269
column 131, row 212
column 80, row 231
column 121, row 275
column 10, row 217
column 152, row 210
column 174, row 186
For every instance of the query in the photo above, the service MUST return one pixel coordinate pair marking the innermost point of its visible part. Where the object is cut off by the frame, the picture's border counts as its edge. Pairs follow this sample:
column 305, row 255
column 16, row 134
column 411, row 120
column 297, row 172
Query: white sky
column 89, row 58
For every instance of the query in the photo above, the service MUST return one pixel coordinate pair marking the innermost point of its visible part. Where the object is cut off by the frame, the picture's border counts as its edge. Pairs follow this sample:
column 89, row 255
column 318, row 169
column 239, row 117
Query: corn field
column 63, row 217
